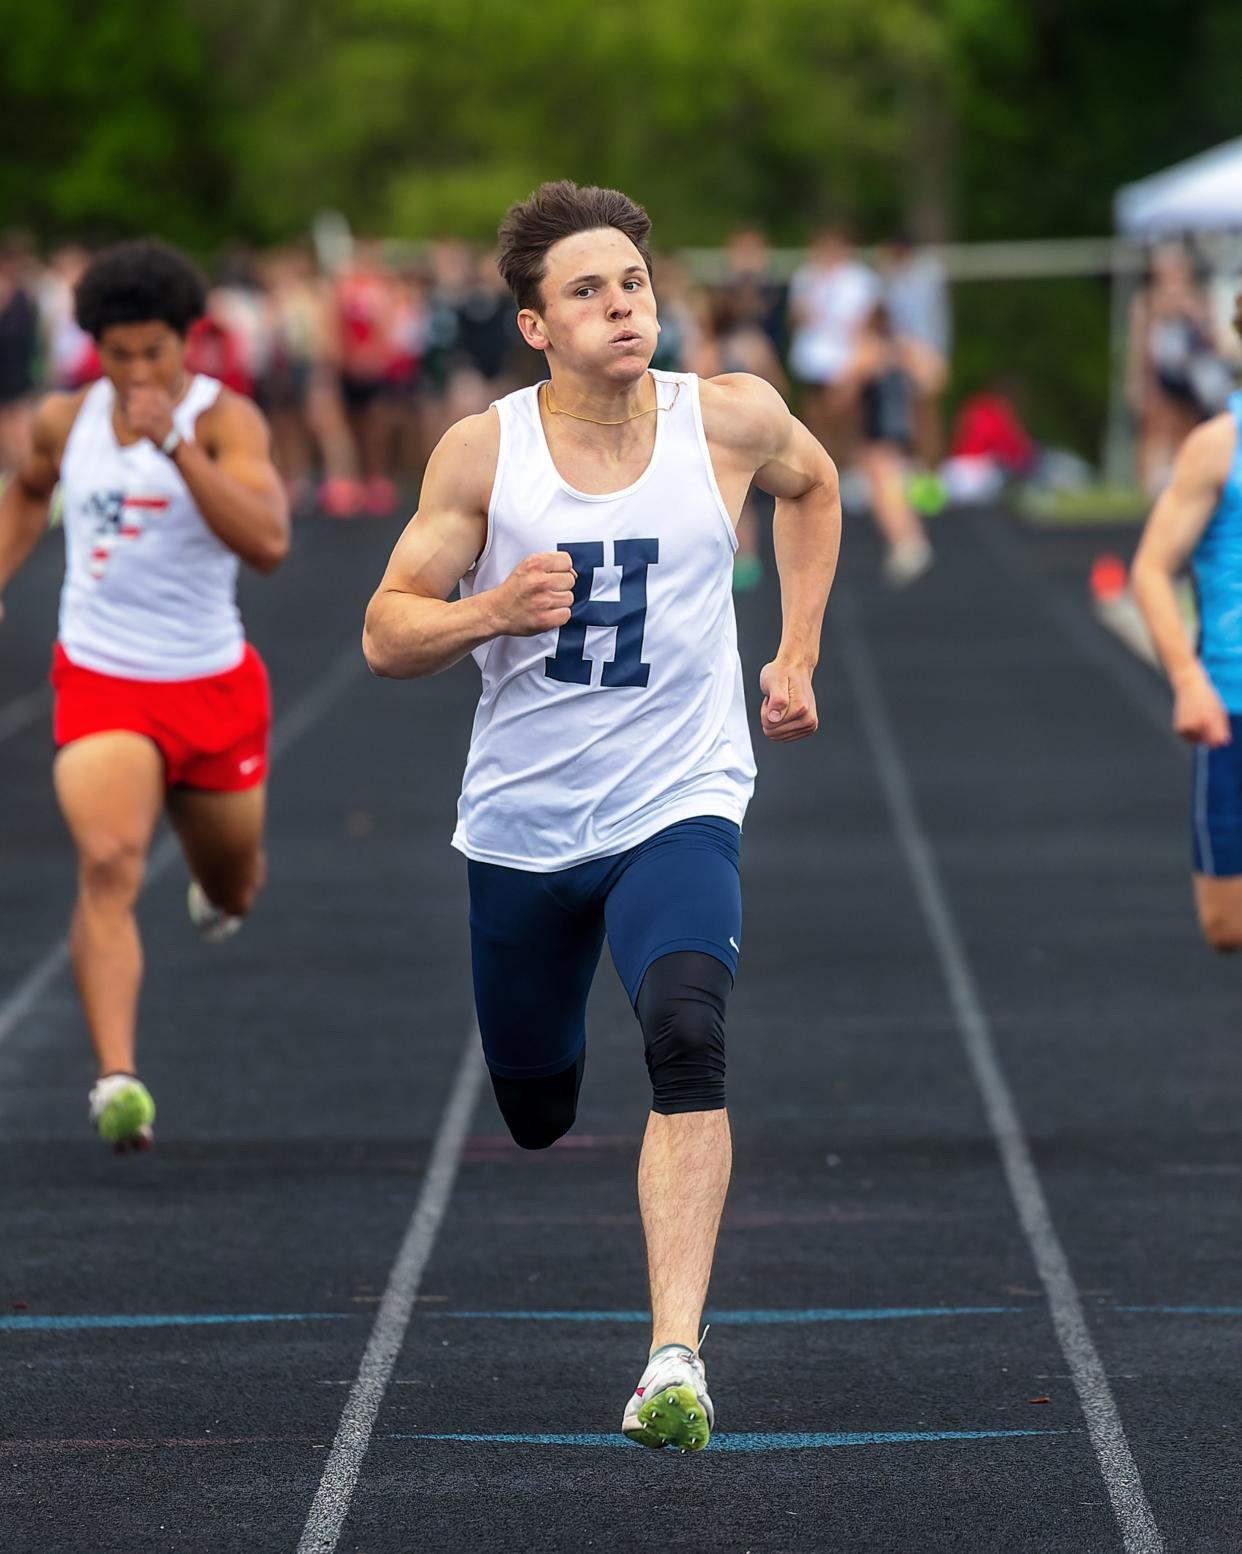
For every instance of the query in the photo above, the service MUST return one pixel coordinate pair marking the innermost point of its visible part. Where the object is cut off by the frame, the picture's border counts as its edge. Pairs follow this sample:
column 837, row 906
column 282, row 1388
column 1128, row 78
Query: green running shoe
column 122, row 1109
column 670, row 1406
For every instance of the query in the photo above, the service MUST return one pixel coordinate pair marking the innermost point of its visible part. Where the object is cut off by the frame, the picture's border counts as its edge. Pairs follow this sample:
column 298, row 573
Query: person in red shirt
column 987, row 426
column 367, row 348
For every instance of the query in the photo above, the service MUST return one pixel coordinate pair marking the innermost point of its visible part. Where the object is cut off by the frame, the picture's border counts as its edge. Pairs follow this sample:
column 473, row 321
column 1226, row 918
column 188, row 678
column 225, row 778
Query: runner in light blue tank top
column 1197, row 521
column 1217, row 567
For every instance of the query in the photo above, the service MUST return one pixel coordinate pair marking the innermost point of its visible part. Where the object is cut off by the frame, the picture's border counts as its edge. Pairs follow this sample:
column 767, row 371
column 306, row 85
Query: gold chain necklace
column 574, row 416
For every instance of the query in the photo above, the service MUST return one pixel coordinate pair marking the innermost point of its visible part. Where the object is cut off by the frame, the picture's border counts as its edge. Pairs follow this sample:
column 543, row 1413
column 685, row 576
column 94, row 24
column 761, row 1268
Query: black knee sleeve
column 539, row 1111
column 681, row 1007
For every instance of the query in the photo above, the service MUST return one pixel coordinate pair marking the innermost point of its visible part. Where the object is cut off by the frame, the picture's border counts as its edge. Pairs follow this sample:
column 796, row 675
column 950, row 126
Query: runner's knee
column 110, row 868
column 539, row 1111
column 681, row 1007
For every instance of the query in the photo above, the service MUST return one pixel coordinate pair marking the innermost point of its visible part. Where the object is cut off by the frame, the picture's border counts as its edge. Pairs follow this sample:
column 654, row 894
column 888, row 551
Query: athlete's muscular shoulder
column 446, row 535
column 462, row 468
column 743, row 415
column 1207, row 454
column 54, row 421
column 751, row 431
column 52, row 424
column 232, row 423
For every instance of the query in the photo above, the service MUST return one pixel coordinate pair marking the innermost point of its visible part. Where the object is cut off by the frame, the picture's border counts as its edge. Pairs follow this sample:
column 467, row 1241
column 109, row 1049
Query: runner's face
column 599, row 312
column 143, row 356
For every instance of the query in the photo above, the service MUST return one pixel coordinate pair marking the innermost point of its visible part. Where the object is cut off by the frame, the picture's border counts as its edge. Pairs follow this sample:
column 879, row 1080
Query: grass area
column 1088, row 505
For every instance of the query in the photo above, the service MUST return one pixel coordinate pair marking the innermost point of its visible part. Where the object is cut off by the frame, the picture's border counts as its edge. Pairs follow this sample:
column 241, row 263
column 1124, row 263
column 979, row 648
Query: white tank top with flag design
column 632, row 716
column 149, row 590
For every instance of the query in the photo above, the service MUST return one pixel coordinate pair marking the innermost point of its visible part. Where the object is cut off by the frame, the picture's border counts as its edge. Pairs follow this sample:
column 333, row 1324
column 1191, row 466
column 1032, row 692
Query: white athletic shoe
column 214, row 926
column 122, row 1110
column 670, row 1406
column 906, row 562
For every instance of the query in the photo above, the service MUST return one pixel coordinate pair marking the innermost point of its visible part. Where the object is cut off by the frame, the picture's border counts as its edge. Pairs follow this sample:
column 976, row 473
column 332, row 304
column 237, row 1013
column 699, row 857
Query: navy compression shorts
column 1216, row 807
column 536, row 938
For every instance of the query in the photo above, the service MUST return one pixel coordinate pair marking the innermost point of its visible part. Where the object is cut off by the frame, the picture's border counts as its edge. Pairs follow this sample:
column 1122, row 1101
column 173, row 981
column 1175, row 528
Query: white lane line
column 32, row 987
column 302, row 715
column 22, row 711
column 353, row 1436
column 1117, row 1466
column 318, row 698
column 1139, row 683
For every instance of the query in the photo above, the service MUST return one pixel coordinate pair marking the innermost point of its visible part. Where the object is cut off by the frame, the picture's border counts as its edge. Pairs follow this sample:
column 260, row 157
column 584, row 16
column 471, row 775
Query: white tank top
column 149, row 589
column 591, row 739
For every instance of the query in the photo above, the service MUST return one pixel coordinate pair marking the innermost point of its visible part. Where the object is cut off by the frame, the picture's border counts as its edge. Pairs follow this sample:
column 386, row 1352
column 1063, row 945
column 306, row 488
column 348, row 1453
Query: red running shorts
column 212, row 732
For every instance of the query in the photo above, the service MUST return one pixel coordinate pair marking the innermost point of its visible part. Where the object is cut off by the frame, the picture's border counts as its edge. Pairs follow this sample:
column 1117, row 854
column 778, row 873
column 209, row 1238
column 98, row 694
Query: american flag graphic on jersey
column 120, row 517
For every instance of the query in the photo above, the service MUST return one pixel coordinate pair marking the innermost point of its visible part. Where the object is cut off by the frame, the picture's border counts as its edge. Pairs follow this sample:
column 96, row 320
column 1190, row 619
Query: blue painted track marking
column 65, row 1324
column 69, row 1324
column 754, row 1442
column 727, row 1318
column 1184, row 1311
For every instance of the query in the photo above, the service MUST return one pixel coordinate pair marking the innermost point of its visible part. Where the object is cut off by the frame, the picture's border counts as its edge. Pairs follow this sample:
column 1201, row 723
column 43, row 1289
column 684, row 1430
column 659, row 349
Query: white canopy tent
column 1203, row 194
column 1200, row 200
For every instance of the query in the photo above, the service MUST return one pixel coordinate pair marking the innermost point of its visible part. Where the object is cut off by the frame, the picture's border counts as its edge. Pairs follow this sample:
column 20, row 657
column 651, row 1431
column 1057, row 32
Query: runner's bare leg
column 683, row 1176
column 110, row 788
column 221, row 835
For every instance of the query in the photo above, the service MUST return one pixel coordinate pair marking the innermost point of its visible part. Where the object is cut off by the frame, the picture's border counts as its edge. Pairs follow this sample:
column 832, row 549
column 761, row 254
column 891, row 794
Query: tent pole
column 1117, row 455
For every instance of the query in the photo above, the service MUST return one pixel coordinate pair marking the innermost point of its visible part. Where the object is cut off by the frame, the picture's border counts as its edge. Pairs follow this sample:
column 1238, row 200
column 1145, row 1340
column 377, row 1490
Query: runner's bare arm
column 1177, row 521
column 229, row 471
column 27, row 496
column 746, row 419
column 412, row 627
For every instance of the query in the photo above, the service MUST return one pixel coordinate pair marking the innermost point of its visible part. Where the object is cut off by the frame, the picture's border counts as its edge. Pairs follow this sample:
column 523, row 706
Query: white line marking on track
column 22, row 711
column 1117, row 1466
column 32, row 987
column 302, row 715
column 317, row 698
column 353, row 1436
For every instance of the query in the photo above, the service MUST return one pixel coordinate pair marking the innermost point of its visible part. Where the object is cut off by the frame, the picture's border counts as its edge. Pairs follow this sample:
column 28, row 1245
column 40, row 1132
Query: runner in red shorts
column 160, row 703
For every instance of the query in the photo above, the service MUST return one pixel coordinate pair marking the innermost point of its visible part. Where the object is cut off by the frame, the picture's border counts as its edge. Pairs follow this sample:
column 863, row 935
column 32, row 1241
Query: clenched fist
column 538, row 595
column 148, row 411
column 788, row 711
column 1199, row 715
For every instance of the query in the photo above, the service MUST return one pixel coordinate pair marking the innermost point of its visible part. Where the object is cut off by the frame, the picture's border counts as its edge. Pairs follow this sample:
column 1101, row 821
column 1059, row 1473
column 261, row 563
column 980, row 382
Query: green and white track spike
column 671, row 1405
column 675, row 1417
column 122, row 1110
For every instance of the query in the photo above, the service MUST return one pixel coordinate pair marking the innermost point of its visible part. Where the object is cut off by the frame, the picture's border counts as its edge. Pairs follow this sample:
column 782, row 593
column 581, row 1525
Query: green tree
column 108, row 118
column 416, row 115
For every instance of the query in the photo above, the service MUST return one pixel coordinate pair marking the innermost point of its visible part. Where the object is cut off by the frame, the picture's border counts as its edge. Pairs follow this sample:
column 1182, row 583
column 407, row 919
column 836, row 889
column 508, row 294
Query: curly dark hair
column 554, row 211
column 139, row 283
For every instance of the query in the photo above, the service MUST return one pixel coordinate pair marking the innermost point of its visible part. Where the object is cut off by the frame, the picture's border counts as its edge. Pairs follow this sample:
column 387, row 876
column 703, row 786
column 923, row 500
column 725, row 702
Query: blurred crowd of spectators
column 361, row 369
column 358, row 371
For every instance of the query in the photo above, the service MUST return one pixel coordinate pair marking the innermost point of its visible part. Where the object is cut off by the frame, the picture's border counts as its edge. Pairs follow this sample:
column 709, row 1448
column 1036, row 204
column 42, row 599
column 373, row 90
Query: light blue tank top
column 1217, row 568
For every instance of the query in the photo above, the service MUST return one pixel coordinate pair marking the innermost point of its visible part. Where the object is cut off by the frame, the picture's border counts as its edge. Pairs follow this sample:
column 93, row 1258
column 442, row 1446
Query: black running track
column 979, row 1286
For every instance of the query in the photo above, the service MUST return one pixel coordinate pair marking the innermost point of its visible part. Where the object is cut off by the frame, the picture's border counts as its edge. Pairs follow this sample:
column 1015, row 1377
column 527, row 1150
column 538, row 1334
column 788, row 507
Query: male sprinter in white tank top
column 167, row 481
column 590, row 523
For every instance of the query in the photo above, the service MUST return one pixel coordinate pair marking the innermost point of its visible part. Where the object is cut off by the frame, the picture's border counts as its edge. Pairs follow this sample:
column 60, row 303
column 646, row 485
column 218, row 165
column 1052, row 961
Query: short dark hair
column 139, row 283
column 554, row 211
